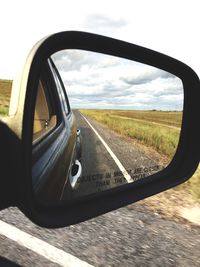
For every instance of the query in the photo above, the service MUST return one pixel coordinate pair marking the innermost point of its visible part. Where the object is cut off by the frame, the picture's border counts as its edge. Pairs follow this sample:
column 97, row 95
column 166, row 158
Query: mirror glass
column 101, row 122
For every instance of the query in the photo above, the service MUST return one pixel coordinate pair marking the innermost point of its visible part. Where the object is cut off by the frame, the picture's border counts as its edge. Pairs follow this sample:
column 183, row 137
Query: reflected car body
column 56, row 145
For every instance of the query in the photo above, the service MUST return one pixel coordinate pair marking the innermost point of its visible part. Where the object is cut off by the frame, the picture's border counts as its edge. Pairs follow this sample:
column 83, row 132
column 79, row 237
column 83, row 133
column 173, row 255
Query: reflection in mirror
column 128, row 121
column 44, row 120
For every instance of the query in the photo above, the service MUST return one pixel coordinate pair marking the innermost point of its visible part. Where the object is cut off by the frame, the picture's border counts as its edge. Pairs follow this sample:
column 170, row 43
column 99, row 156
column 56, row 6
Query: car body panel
column 52, row 168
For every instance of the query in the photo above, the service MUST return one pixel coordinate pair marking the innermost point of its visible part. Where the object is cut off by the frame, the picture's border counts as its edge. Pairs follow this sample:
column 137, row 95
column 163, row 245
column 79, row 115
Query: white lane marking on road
column 41, row 247
column 121, row 167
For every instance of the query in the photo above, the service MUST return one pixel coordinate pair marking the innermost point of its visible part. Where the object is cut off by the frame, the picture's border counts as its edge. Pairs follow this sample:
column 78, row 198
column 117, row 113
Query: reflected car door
column 54, row 137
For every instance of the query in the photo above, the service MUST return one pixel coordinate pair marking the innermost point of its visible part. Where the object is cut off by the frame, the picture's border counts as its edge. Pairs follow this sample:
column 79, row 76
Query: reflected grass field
column 157, row 129
column 172, row 118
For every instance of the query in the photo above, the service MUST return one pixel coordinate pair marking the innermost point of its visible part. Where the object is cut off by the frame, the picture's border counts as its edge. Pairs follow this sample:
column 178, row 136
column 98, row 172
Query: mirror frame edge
column 130, row 193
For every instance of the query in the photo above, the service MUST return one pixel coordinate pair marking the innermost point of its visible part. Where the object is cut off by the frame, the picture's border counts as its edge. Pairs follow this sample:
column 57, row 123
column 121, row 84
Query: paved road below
column 130, row 236
column 100, row 171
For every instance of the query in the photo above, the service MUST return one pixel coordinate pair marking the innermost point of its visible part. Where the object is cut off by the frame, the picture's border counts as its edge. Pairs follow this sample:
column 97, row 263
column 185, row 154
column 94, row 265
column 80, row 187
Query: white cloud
column 104, row 24
column 102, row 81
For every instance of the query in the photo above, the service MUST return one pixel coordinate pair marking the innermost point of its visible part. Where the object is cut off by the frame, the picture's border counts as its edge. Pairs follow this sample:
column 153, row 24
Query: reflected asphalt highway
column 100, row 171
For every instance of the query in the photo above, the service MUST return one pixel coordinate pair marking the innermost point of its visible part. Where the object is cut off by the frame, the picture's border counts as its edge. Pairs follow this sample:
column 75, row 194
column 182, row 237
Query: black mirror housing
column 178, row 171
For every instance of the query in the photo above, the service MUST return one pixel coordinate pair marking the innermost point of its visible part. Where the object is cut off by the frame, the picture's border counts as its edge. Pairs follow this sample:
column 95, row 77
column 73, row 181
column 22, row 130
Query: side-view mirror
column 98, row 124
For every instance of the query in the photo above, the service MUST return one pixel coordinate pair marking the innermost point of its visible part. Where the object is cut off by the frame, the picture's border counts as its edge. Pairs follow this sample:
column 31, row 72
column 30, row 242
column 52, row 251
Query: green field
column 157, row 129
column 5, row 92
column 160, row 117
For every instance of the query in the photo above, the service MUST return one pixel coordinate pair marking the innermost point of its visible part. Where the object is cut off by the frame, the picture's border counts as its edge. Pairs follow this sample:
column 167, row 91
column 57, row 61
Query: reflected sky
column 94, row 80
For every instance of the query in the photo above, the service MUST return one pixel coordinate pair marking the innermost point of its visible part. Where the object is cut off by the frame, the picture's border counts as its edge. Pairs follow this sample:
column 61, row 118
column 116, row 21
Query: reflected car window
column 44, row 119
